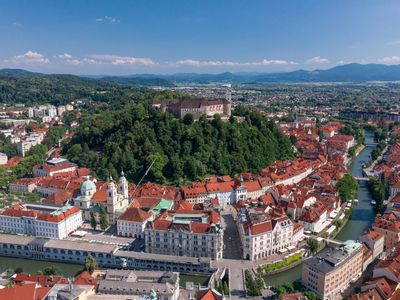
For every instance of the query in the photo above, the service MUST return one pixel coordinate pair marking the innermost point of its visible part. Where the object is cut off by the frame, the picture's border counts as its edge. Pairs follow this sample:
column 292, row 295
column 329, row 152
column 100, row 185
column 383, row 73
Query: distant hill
column 137, row 80
column 345, row 73
column 19, row 73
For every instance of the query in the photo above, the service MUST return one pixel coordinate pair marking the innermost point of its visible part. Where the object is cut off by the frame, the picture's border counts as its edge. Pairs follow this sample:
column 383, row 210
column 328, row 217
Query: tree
column 103, row 218
column 225, row 288
column 51, row 270
column 293, row 139
column 280, row 290
column 93, row 221
column 7, row 147
column 320, row 134
column 132, row 137
column 40, row 151
column 253, row 287
column 352, row 151
column 32, row 197
column 188, row 119
column 9, row 271
column 90, row 264
column 347, row 187
column 337, row 223
column 5, row 177
column 54, row 134
column 310, row 295
column 313, row 244
column 377, row 188
column 157, row 162
column 9, row 283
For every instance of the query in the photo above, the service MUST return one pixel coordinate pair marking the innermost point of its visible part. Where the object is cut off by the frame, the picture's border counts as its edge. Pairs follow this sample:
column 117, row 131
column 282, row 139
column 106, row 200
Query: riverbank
column 358, row 150
column 361, row 217
column 33, row 266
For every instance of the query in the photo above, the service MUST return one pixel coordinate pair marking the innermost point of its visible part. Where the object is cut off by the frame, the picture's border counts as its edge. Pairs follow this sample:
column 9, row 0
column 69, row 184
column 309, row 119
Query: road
column 232, row 256
column 232, row 247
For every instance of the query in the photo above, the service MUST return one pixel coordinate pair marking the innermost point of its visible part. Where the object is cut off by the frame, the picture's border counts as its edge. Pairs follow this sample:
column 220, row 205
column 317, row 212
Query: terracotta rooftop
column 135, row 214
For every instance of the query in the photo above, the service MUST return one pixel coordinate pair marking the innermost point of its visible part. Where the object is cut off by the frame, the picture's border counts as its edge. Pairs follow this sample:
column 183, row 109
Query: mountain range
column 345, row 73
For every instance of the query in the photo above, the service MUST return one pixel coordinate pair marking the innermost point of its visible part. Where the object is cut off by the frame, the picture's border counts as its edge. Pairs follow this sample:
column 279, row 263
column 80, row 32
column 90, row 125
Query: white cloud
column 219, row 63
column 121, row 60
column 107, row 19
column 390, row 60
column 69, row 59
column 29, row 57
column 316, row 60
column 344, row 62
column 64, row 56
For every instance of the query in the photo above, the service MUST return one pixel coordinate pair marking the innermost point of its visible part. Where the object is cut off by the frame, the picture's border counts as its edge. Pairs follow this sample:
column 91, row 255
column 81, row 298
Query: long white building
column 41, row 220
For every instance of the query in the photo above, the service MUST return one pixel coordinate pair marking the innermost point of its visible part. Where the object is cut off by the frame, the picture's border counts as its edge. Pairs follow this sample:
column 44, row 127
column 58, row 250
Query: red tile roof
column 18, row 211
column 85, row 278
column 135, row 214
column 368, row 295
column 209, row 295
column 24, row 292
column 42, row 280
column 12, row 162
column 59, row 198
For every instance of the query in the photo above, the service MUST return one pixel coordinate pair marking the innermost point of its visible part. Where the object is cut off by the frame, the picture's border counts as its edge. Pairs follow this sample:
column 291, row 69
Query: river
column 361, row 218
column 32, row 266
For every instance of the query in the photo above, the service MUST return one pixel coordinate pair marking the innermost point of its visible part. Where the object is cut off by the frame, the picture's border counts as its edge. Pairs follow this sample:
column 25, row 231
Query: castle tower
column 228, row 98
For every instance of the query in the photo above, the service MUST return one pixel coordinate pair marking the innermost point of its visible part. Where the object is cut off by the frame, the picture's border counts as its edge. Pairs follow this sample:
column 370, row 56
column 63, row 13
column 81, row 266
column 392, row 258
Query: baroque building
column 113, row 197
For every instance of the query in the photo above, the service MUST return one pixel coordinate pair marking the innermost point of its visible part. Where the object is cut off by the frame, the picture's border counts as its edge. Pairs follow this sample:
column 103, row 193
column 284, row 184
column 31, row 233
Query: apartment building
column 389, row 227
column 262, row 234
column 328, row 274
column 193, row 233
column 3, row 158
column 33, row 139
column 54, row 166
column 375, row 241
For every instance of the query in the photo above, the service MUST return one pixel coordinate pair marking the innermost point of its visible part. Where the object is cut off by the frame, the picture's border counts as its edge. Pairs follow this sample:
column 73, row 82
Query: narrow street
column 232, row 247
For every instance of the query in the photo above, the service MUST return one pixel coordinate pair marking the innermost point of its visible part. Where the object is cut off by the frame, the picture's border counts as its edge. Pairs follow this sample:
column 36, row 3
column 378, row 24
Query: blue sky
column 168, row 36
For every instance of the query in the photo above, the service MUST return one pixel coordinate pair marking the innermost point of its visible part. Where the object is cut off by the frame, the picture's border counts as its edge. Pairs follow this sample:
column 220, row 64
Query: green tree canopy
column 90, row 264
column 132, row 138
column 347, row 187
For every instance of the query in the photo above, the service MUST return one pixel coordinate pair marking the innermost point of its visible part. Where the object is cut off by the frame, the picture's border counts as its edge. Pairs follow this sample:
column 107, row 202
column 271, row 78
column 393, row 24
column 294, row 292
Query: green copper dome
column 87, row 185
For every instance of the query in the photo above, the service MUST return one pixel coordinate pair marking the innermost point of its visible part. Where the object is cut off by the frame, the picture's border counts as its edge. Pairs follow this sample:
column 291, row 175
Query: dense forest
column 133, row 138
column 32, row 88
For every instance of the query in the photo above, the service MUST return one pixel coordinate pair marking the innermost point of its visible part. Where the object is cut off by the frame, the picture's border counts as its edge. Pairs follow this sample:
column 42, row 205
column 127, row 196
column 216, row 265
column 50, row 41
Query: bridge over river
column 360, row 178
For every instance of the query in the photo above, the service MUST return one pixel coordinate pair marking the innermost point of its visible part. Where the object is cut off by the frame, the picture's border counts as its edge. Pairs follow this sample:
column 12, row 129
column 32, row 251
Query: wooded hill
column 132, row 138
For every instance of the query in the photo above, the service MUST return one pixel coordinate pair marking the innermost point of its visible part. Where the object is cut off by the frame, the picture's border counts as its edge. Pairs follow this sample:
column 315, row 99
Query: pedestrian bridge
column 358, row 178
column 332, row 241
column 328, row 240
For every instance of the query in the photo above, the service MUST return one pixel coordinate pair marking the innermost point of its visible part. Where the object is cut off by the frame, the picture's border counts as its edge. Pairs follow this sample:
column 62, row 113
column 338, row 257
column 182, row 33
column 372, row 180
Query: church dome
column 87, row 186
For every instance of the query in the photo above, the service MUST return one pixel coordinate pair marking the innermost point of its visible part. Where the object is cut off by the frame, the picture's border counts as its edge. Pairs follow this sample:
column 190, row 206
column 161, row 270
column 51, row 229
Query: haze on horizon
column 208, row 36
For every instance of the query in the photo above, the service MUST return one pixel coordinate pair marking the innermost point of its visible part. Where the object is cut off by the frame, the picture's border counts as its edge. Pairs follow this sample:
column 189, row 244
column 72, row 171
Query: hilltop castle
column 196, row 107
